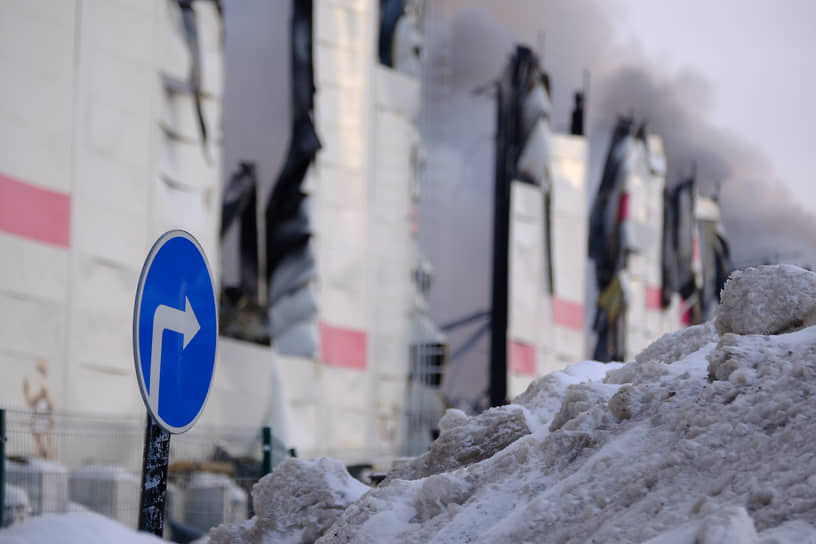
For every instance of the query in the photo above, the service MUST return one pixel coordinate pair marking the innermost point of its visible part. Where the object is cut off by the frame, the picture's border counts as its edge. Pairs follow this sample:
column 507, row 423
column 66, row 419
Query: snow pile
column 85, row 527
column 748, row 308
column 706, row 437
column 294, row 504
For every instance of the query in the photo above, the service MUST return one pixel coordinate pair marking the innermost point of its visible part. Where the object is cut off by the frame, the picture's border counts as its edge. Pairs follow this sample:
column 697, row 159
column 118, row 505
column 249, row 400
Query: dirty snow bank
column 707, row 437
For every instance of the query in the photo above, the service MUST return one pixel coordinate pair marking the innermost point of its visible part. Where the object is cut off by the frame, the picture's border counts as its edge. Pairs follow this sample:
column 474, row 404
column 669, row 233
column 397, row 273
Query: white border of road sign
column 137, row 358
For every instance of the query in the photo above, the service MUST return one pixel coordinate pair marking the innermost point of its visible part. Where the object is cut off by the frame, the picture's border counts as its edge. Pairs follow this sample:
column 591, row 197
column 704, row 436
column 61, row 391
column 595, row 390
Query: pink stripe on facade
column 522, row 358
column 34, row 213
column 342, row 347
column 654, row 298
column 685, row 316
column 568, row 314
column 623, row 207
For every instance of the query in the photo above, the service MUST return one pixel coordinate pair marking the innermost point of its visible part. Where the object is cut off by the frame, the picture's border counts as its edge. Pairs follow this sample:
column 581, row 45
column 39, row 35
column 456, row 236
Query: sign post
column 155, row 462
column 175, row 330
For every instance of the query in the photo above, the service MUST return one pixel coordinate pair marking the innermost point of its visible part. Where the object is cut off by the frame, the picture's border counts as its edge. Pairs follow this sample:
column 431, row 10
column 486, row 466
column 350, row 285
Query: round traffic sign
column 175, row 331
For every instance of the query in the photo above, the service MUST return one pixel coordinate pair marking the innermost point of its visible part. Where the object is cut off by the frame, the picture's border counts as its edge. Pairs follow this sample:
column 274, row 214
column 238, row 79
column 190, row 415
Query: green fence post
column 2, row 466
column 266, row 468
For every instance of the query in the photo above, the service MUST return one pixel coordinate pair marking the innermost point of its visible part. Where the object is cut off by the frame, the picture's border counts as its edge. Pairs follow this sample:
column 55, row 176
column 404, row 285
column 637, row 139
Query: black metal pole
column 2, row 466
column 156, row 460
column 501, row 238
column 267, row 451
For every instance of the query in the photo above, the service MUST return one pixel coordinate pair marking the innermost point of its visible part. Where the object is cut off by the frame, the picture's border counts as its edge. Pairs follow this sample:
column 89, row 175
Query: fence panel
column 62, row 462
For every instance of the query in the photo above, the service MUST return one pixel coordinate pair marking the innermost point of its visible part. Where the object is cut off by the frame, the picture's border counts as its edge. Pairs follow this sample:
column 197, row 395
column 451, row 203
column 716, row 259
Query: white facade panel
column 569, row 255
column 108, row 233
column 339, row 108
column 342, row 147
column 119, row 29
column 32, row 269
column 339, row 189
column 343, row 291
column 100, row 286
column 31, row 37
column 397, row 92
column 32, row 327
column 38, row 101
column 569, row 221
column 100, row 326
column 22, row 148
column 340, row 27
column 110, row 184
column 568, row 344
column 102, row 339
column 113, row 132
column 300, row 400
column 94, row 389
column 526, row 252
column 344, row 406
column 340, row 68
column 127, row 85
column 246, row 387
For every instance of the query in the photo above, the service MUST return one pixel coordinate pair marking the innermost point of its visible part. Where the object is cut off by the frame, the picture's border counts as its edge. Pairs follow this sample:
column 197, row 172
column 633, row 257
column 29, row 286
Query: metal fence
column 57, row 463
column 424, row 405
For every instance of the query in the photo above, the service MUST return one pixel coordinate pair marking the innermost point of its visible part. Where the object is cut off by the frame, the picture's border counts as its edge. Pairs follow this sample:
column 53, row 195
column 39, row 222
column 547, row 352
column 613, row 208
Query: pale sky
column 758, row 56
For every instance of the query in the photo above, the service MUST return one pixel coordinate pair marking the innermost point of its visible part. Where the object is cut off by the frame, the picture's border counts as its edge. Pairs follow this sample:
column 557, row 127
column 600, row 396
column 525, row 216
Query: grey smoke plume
column 762, row 218
column 468, row 43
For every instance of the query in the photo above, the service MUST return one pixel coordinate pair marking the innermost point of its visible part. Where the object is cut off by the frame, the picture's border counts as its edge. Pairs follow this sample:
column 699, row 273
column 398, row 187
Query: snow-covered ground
column 73, row 528
column 708, row 436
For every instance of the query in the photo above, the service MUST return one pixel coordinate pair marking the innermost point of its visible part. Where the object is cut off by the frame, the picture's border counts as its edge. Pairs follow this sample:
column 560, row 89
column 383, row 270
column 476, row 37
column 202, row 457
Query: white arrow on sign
column 175, row 320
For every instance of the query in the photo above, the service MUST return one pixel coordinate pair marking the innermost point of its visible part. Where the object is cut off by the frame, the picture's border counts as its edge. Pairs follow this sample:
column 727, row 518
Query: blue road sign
column 175, row 328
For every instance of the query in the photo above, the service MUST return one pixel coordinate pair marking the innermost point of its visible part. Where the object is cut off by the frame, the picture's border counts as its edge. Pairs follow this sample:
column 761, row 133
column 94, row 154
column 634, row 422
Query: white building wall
column 339, row 185
column 361, row 186
column 89, row 120
column 529, row 331
column 646, row 320
column 569, row 243
column 546, row 330
column 392, row 258
column 37, row 123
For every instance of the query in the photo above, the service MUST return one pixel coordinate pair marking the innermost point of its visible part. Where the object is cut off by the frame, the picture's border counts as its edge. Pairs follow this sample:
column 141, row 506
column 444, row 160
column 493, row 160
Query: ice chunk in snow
column 544, row 397
column 451, row 419
column 579, row 399
column 653, row 362
column 294, row 504
column 466, row 443
column 767, row 300
column 729, row 525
